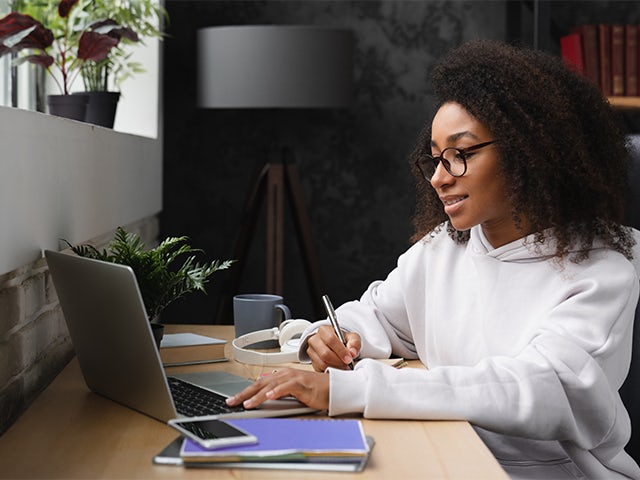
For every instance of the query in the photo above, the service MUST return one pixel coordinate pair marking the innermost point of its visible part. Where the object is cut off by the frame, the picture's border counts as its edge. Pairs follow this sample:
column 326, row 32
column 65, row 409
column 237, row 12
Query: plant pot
column 68, row 106
column 158, row 332
column 101, row 109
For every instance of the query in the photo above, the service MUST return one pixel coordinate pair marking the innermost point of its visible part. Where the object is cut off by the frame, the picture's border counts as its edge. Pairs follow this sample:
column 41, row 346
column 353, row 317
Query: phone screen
column 213, row 433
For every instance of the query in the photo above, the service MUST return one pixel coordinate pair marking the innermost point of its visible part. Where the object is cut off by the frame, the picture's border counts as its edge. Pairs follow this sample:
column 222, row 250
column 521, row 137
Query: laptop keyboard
column 193, row 401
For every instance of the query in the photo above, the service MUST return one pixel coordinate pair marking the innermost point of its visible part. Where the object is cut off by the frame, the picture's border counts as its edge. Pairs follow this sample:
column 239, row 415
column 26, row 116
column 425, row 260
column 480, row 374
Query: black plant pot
column 158, row 332
column 101, row 109
column 68, row 106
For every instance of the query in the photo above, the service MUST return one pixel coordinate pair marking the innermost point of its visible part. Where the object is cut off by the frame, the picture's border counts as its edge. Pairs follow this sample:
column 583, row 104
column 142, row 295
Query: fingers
column 310, row 388
column 326, row 350
column 354, row 344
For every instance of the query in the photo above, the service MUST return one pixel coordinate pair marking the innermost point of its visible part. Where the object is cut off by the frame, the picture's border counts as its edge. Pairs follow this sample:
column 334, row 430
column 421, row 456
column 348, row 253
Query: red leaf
column 124, row 32
column 111, row 28
column 65, row 6
column 98, row 26
column 95, row 46
column 43, row 60
column 15, row 24
column 40, row 38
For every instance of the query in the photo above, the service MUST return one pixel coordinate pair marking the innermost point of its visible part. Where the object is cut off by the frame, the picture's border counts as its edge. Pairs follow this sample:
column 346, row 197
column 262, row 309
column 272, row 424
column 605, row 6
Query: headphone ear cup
column 291, row 329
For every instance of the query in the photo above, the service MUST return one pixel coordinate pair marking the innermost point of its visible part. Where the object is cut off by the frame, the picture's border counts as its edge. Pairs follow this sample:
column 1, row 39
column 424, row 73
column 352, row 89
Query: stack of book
column 607, row 55
column 283, row 443
column 190, row 349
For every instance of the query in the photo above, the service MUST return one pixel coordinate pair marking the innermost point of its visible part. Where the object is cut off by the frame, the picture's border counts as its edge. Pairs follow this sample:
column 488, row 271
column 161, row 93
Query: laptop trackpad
column 223, row 383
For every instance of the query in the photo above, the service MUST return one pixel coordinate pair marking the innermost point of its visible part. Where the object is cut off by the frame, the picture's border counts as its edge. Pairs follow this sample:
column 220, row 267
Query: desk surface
column 70, row 432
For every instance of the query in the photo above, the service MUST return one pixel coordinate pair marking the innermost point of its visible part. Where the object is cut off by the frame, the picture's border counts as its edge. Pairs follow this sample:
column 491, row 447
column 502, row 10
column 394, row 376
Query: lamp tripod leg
column 305, row 238
column 275, row 229
column 274, row 180
column 251, row 208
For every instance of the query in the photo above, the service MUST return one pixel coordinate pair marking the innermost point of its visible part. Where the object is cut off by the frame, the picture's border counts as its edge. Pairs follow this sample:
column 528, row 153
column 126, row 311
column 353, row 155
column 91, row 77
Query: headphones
column 288, row 335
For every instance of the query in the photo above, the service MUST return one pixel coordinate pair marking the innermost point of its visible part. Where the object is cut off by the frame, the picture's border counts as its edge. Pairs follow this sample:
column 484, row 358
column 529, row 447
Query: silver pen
column 333, row 318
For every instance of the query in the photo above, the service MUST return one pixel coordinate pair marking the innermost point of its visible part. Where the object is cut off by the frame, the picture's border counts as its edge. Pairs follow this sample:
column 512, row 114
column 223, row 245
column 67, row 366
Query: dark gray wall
column 353, row 162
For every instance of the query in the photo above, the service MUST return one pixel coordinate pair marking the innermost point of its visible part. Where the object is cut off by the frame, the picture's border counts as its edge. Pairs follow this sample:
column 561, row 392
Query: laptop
column 112, row 338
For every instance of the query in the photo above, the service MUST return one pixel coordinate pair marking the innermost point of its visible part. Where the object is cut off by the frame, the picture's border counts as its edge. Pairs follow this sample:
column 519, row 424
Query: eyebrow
column 457, row 136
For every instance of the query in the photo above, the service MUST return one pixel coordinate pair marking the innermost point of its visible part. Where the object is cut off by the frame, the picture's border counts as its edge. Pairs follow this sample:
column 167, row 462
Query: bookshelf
column 629, row 108
column 534, row 20
column 625, row 103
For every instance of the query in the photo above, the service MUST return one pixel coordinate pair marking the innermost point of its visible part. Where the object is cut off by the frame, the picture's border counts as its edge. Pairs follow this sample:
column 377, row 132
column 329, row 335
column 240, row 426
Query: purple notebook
column 289, row 437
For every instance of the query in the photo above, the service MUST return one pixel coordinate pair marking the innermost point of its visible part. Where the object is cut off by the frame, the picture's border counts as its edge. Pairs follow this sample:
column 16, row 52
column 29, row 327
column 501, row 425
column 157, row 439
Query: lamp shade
column 274, row 67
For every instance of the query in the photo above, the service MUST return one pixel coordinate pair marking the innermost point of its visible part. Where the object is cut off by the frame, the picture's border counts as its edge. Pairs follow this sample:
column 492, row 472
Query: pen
column 333, row 318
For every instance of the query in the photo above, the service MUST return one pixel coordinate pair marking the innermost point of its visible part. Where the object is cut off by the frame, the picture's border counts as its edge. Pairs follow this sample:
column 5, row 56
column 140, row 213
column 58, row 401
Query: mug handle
column 286, row 313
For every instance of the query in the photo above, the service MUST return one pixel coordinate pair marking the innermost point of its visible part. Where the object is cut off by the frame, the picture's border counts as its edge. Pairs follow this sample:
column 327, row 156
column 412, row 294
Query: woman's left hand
column 310, row 388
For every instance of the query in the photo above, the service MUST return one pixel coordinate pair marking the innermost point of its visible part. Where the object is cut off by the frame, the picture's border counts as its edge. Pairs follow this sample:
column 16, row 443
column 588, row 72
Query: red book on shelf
column 590, row 52
column 631, row 60
column 571, row 49
column 604, row 47
column 617, row 60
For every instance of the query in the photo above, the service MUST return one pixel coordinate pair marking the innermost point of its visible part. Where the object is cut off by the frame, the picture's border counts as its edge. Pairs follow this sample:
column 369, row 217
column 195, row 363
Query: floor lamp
column 276, row 67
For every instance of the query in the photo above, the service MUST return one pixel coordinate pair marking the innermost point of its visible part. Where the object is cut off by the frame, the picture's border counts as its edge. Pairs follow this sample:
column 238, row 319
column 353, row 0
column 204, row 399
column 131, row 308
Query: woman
column 519, row 291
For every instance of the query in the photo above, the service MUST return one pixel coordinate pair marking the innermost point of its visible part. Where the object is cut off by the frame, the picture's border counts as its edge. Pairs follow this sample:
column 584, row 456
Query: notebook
column 288, row 439
column 170, row 455
column 110, row 332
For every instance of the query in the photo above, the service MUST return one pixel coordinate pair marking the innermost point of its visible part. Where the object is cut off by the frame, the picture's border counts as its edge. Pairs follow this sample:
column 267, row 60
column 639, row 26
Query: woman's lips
column 452, row 203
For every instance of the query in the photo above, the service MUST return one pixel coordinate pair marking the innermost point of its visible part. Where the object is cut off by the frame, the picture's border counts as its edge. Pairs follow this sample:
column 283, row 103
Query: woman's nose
column 440, row 176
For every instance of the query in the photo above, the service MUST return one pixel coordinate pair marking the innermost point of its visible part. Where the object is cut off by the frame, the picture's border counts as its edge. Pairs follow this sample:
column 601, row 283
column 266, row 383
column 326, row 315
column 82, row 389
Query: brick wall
column 34, row 341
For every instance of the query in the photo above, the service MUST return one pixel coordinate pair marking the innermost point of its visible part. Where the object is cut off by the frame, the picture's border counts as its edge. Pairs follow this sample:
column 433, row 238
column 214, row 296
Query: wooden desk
column 70, row 432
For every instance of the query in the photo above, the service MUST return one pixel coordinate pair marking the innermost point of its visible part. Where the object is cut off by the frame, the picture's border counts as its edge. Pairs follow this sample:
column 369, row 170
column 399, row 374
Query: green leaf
column 161, row 277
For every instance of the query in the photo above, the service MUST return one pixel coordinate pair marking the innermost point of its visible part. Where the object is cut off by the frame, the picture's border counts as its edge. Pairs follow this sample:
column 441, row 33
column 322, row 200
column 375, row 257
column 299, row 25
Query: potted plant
column 161, row 275
column 103, row 80
column 71, row 42
column 60, row 48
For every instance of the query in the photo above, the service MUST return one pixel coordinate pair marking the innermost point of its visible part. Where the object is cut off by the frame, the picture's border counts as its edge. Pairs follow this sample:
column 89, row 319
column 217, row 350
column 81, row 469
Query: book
column 631, row 60
column 604, row 48
column 190, row 348
column 590, row 52
column 571, row 51
column 288, row 439
column 170, row 455
column 617, row 60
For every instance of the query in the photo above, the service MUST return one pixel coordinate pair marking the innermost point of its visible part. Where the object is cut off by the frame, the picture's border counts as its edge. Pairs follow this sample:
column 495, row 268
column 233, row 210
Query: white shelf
column 65, row 179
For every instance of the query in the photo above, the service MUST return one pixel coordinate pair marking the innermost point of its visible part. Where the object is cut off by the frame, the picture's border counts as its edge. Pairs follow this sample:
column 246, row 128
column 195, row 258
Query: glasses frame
column 462, row 152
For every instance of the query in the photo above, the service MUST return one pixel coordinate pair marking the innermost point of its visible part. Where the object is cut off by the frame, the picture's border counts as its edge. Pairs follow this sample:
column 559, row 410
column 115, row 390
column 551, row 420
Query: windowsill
column 66, row 179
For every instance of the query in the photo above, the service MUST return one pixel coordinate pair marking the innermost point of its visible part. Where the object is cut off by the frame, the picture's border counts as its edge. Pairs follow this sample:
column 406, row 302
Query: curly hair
column 562, row 150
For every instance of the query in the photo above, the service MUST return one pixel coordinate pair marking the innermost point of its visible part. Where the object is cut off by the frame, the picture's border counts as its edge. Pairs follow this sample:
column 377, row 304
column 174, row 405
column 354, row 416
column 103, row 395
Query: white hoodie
column 530, row 351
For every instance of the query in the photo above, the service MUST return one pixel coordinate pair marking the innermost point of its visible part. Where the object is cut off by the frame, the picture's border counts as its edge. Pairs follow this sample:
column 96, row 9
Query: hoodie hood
column 522, row 250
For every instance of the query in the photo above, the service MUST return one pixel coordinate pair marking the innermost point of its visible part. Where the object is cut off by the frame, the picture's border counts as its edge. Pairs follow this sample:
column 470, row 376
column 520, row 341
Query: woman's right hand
column 326, row 350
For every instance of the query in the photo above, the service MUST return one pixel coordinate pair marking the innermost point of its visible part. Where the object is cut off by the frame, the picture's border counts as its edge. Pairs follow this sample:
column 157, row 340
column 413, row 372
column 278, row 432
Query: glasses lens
column 427, row 166
column 452, row 159
column 455, row 161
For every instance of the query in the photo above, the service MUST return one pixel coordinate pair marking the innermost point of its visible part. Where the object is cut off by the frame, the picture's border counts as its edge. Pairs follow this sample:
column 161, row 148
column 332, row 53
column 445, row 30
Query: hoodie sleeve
column 561, row 386
column 380, row 317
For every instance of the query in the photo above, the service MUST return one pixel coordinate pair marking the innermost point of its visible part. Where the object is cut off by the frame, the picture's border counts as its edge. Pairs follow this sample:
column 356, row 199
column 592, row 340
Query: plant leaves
column 15, row 23
column 15, row 39
column 95, row 46
column 65, row 6
column 19, row 31
column 113, row 29
column 161, row 282
column 43, row 60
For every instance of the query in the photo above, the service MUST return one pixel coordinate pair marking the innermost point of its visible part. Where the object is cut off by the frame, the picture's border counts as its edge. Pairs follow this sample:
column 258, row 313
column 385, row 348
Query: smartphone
column 211, row 432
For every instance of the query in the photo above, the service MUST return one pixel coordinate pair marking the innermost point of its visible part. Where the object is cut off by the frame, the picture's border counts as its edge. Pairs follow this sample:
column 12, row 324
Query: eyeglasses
column 453, row 159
